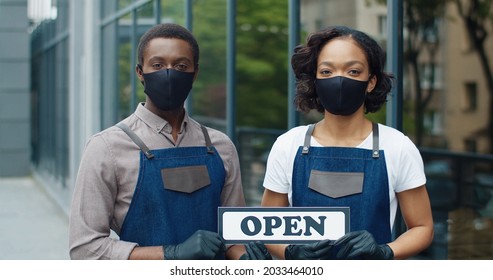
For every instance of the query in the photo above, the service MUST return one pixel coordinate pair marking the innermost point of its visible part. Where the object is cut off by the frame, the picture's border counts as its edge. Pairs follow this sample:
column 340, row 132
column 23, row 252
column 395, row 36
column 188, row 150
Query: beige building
column 466, row 100
column 316, row 14
column 456, row 116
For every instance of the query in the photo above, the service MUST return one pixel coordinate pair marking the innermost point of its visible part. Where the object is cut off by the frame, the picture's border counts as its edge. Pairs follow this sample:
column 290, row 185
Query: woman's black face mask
column 168, row 88
column 340, row 95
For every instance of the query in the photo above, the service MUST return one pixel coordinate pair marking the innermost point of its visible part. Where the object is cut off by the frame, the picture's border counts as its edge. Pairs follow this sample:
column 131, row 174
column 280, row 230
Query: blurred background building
column 15, row 122
column 68, row 72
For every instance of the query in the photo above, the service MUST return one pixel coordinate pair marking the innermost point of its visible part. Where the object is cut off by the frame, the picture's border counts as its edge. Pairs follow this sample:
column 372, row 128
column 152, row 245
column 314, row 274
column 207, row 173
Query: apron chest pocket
column 187, row 179
column 336, row 184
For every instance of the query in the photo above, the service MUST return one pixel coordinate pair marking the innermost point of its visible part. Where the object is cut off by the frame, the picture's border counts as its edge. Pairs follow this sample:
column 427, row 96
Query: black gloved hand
column 256, row 251
column 313, row 251
column 202, row 245
column 362, row 244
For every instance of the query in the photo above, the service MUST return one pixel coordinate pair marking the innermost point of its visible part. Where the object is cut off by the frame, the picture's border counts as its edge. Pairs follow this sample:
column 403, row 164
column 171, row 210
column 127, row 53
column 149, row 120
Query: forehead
column 168, row 48
column 342, row 49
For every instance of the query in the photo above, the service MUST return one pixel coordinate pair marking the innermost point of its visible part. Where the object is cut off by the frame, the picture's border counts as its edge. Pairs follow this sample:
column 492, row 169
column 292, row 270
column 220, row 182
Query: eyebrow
column 179, row 59
column 349, row 63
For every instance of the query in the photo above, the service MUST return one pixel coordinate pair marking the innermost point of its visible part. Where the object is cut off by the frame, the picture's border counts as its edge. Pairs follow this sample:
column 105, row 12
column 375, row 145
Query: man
column 157, row 178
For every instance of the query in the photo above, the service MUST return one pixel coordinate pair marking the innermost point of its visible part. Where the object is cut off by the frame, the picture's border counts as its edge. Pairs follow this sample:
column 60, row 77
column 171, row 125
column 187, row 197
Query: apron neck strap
column 136, row 139
column 375, row 153
column 308, row 136
column 375, row 150
column 208, row 142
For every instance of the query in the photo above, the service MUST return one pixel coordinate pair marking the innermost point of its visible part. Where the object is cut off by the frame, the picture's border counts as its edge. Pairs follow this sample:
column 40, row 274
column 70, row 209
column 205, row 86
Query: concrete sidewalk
column 32, row 225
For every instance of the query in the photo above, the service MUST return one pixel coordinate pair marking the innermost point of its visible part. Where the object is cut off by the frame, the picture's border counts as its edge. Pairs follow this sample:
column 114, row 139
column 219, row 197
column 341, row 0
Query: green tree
column 261, row 61
column 209, row 27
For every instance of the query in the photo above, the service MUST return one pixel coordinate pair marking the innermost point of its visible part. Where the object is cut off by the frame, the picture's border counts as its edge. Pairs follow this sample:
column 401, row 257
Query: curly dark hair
column 168, row 30
column 304, row 63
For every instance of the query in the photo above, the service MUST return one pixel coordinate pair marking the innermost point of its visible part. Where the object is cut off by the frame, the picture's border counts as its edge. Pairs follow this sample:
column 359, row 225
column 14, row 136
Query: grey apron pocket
column 187, row 179
column 336, row 184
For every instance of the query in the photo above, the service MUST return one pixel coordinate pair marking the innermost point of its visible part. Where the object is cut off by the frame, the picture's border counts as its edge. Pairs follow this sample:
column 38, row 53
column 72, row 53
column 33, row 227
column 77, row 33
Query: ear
column 371, row 83
column 138, row 71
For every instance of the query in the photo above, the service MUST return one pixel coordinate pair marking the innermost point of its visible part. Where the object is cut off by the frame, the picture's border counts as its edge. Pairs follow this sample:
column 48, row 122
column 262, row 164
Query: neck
column 336, row 130
column 174, row 118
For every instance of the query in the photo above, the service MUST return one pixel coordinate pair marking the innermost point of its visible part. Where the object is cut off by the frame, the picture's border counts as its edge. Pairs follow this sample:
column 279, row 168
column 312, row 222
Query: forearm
column 412, row 242
column 416, row 212
column 147, row 253
column 235, row 252
column 105, row 248
column 277, row 250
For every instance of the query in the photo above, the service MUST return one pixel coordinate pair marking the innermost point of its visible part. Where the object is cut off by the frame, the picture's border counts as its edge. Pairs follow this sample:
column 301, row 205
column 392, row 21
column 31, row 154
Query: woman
column 345, row 159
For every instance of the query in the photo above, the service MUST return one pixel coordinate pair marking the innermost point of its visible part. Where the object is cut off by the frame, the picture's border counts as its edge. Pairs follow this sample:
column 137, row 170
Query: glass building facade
column 83, row 81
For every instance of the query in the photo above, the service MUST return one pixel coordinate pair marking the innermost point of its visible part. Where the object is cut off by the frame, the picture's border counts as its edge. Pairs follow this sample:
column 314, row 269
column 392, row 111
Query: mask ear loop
column 370, row 76
column 366, row 96
column 141, row 71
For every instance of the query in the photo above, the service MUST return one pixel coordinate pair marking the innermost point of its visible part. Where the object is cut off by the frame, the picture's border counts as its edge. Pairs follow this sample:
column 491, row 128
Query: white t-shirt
column 402, row 158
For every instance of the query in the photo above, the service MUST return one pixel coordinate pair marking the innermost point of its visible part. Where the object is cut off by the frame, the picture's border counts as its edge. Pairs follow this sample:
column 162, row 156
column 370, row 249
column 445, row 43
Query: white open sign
column 282, row 224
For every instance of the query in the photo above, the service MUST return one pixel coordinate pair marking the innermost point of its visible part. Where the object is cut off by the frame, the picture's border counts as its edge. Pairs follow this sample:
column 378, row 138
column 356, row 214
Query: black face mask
column 340, row 95
column 168, row 88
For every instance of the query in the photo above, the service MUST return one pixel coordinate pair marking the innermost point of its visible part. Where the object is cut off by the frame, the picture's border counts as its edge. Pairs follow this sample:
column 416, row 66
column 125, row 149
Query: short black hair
column 168, row 30
column 304, row 63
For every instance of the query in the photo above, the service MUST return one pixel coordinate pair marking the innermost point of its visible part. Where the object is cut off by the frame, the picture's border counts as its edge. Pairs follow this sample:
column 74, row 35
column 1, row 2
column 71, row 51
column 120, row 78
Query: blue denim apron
column 345, row 177
column 178, row 192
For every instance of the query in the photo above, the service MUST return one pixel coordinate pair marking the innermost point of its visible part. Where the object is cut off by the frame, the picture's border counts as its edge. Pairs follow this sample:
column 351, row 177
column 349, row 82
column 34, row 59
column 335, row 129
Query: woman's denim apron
column 178, row 192
column 345, row 177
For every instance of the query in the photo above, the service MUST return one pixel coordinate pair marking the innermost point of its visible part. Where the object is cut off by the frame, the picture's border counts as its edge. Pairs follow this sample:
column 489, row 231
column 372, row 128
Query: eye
column 181, row 67
column 157, row 66
column 354, row 72
column 325, row 72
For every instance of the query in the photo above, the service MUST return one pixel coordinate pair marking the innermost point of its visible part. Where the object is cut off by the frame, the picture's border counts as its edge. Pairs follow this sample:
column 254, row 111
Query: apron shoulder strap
column 136, row 139
column 308, row 136
column 208, row 142
column 376, row 152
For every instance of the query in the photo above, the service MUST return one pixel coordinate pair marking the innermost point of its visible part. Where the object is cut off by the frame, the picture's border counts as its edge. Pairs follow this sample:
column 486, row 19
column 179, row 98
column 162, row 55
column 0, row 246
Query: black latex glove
column 202, row 245
column 362, row 244
column 313, row 251
column 256, row 251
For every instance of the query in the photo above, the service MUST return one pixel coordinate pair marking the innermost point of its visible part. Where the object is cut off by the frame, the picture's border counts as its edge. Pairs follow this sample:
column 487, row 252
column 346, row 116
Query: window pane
column 209, row 89
column 109, row 79
column 49, row 86
column 173, row 11
column 124, row 66
column 108, row 7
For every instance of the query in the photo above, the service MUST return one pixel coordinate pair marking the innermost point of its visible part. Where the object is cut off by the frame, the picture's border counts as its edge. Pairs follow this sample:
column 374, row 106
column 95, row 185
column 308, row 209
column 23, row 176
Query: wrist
column 288, row 252
column 169, row 252
column 387, row 253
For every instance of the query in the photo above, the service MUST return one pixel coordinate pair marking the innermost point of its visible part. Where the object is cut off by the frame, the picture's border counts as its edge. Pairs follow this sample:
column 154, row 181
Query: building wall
column 463, row 66
column 65, row 84
column 359, row 14
column 14, row 89
column 318, row 14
